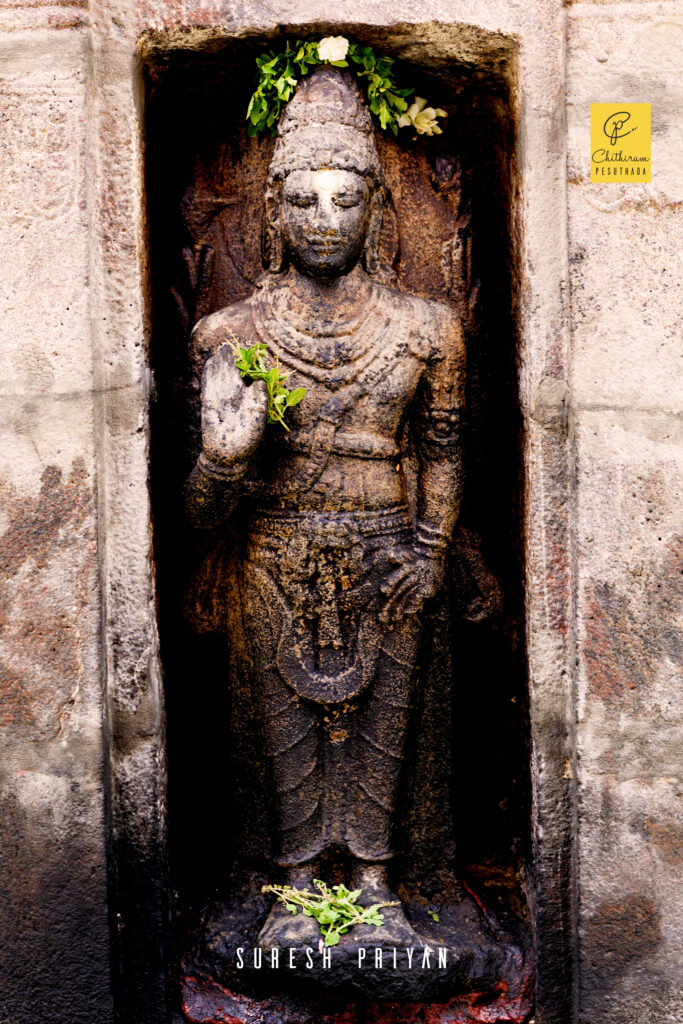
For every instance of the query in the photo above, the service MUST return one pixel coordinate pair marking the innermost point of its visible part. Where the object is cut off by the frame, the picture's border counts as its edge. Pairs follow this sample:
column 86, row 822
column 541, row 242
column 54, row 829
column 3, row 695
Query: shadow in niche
column 450, row 239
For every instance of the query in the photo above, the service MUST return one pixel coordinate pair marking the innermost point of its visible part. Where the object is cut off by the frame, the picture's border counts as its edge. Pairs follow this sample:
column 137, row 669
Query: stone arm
column 233, row 422
column 211, row 492
column 438, row 431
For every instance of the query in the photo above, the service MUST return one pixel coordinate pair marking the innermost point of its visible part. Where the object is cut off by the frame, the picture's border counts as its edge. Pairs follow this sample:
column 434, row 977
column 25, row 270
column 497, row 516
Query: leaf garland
column 279, row 75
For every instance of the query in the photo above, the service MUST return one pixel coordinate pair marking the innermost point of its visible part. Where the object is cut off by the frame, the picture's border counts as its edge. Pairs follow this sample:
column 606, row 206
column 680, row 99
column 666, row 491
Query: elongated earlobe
column 370, row 257
column 272, row 247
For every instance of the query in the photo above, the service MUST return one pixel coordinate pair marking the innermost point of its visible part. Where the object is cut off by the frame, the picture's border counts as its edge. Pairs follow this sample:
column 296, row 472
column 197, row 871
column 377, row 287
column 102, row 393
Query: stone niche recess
column 451, row 233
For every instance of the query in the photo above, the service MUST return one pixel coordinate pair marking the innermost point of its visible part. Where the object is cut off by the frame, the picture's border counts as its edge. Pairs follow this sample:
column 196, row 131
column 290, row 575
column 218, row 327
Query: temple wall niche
column 83, row 779
column 447, row 235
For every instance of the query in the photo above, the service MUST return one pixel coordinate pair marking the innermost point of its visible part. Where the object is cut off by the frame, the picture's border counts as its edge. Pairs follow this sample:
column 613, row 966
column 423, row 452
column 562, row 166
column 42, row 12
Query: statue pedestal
column 466, row 969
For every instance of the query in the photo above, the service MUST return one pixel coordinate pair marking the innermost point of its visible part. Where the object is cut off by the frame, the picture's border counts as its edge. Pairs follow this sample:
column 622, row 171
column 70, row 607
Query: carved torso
column 364, row 377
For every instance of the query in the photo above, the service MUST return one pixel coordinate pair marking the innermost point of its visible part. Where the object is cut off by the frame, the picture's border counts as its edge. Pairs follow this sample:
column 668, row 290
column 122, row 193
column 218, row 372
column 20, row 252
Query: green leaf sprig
column 279, row 75
column 335, row 909
column 251, row 364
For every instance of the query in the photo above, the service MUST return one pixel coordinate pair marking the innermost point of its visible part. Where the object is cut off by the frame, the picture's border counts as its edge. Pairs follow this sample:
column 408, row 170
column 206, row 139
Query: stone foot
column 283, row 930
column 396, row 930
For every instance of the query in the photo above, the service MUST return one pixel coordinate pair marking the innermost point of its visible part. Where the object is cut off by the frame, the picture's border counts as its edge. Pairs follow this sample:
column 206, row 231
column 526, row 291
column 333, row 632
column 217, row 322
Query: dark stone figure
column 337, row 566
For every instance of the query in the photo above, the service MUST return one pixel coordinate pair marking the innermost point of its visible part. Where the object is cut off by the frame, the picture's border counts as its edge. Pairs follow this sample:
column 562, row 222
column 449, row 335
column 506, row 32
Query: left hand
column 416, row 578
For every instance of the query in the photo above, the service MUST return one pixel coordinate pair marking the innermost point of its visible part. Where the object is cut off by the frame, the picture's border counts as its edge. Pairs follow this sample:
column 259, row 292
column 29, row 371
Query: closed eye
column 300, row 200
column 346, row 201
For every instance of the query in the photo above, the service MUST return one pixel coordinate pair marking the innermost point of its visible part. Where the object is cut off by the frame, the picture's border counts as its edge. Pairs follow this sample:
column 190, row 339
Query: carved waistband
column 357, row 445
column 331, row 525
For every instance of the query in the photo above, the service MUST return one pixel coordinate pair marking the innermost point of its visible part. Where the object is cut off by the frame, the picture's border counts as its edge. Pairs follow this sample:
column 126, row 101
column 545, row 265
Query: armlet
column 439, row 431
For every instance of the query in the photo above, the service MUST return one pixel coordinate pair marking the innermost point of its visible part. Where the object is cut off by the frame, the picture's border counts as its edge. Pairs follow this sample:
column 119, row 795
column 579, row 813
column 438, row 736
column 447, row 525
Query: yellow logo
column 620, row 142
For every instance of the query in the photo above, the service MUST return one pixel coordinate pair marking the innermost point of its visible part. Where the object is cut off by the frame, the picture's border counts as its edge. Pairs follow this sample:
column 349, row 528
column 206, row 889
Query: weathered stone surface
column 53, row 868
column 630, row 54
column 625, row 251
column 22, row 15
column 625, row 267
column 630, row 646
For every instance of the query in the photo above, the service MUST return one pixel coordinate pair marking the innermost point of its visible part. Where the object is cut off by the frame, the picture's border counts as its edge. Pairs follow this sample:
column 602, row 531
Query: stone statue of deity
column 337, row 568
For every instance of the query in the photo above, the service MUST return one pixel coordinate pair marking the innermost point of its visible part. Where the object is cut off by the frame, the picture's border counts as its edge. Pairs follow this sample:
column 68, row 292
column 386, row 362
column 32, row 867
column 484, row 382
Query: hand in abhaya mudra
column 233, row 413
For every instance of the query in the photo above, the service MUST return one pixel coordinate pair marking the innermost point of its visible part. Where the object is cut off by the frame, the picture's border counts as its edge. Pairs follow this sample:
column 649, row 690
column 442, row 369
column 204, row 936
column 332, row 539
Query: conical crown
column 326, row 124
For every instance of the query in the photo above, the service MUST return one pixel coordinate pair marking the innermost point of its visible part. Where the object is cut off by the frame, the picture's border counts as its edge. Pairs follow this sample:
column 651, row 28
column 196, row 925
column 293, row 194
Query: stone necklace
column 335, row 355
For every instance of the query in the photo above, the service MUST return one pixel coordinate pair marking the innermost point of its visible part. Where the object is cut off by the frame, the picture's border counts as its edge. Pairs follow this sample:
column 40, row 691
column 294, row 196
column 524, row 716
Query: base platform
column 466, row 967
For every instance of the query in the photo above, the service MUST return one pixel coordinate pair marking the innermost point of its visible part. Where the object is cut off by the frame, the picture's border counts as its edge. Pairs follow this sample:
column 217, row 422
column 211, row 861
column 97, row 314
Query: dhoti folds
column 334, row 685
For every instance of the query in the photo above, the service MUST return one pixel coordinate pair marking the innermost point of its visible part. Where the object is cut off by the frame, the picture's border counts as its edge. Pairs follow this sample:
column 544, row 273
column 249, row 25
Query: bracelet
column 431, row 538
column 228, row 473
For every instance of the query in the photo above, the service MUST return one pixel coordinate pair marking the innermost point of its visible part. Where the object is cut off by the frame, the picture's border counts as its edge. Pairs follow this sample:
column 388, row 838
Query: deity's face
column 324, row 220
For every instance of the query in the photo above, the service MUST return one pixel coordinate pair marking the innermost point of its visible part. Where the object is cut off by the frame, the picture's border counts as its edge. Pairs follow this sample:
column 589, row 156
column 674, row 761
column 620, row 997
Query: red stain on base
column 475, row 898
column 473, row 1008
column 206, row 1002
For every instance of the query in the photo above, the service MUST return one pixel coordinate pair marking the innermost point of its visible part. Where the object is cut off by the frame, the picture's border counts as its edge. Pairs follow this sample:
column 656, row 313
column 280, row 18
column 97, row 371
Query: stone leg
column 293, row 742
column 293, row 745
column 379, row 743
column 290, row 727
column 379, row 739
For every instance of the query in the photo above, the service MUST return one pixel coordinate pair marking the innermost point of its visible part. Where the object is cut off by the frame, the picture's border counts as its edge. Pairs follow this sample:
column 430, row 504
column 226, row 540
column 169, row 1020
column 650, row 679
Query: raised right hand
column 233, row 415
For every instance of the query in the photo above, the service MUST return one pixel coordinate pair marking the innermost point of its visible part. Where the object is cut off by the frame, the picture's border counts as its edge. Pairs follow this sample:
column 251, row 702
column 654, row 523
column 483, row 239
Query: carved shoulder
column 433, row 328
column 212, row 330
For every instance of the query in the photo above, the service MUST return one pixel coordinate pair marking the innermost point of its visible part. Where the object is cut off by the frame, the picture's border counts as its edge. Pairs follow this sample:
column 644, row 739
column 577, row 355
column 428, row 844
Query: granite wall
column 625, row 258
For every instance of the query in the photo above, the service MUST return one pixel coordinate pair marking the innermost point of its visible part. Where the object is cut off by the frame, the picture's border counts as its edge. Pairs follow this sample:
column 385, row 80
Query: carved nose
column 324, row 220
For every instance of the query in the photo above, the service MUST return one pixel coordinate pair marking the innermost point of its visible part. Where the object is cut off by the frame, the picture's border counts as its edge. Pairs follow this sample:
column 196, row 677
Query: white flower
column 333, row 48
column 422, row 117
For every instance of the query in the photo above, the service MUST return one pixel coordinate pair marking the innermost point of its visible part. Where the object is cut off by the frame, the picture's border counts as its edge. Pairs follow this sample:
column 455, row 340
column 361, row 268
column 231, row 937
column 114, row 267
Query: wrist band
column 229, row 473
column 431, row 538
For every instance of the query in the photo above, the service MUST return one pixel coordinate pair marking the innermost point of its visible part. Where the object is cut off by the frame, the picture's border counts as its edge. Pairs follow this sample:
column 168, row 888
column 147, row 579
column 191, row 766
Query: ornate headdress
column 325, row 125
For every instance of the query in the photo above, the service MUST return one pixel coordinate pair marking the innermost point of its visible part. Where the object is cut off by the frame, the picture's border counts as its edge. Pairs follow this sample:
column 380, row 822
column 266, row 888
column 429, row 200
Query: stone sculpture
column 337, row 566
column 336, row 572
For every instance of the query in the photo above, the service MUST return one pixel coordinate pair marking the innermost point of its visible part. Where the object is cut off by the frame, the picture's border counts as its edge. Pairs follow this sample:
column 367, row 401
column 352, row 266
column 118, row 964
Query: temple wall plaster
column 81, row 723
column 625, row 246
column 54, row 962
